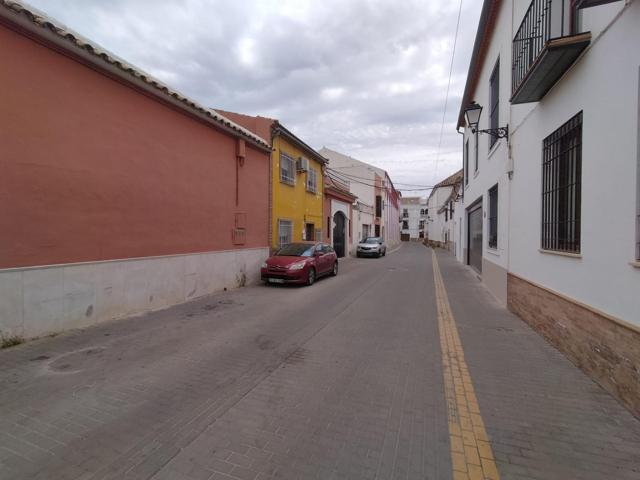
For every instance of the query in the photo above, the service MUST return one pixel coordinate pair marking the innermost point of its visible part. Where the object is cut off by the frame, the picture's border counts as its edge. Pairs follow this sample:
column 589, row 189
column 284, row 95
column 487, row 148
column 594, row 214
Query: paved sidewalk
column 342, row 380
column 545, row 418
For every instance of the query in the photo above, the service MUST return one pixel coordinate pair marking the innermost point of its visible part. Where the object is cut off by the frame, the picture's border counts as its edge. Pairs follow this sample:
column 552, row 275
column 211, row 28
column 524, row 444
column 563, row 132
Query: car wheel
column 312, row 276
column 334, row 272
column 384, row 252
column 378, row 254
column 358, row 255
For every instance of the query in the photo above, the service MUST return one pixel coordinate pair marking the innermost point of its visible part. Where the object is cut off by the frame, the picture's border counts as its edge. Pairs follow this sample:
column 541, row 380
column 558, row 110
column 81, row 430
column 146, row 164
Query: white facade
column 436, row 221
column 363, row 222
column 413, row 217
column 603, row 84
column 363, row 179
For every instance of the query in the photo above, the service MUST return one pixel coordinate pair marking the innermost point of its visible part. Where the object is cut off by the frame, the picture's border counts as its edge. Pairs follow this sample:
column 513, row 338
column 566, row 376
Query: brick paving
column 340, row 380
column 545, row 418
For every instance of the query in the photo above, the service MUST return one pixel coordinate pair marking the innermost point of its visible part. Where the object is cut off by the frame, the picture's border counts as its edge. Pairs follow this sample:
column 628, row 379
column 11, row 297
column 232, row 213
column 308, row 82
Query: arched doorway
column 339, row 233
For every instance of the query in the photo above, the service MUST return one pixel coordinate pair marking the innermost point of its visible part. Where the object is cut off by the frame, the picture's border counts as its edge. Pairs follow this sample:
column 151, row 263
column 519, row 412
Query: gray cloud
column 367, row 78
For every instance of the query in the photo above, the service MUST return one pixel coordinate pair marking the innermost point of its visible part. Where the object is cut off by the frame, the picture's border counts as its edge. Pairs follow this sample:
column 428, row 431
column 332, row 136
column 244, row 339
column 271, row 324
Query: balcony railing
column 544, row 48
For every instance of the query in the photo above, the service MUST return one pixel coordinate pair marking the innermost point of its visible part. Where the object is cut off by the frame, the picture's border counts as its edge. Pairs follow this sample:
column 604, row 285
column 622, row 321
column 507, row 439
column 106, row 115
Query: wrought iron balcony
column 544, row 48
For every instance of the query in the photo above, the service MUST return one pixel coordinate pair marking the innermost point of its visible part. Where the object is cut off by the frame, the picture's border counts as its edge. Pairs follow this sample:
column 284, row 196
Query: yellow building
column 297, row 189
column 297, row 186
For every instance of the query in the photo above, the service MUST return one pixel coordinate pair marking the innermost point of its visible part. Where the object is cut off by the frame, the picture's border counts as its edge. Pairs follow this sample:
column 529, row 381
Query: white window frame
column 312, row 180
column 287, row 175
column 284, row 225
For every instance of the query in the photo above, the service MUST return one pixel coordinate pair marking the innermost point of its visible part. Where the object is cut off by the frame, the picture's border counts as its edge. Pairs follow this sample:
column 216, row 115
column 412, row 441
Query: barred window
column 285, row 232
column 287, row 169
column 312, row 180
column 475, row 152
column 561, row 184
column 494, row 102
column 493, row 217
column 466, row 162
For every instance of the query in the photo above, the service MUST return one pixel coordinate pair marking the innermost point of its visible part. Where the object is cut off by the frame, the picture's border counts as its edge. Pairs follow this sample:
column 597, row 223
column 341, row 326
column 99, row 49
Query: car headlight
column 264, row 265
column 297, row 266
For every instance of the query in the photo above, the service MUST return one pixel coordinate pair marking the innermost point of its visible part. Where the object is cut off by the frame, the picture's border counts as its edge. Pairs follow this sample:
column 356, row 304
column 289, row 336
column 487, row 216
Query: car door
column 329, row 256
column 321, row 261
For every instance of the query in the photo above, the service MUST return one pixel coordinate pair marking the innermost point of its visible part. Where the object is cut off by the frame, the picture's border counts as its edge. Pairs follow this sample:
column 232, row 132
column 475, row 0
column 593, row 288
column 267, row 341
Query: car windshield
column 372, row 240
column 296, row 250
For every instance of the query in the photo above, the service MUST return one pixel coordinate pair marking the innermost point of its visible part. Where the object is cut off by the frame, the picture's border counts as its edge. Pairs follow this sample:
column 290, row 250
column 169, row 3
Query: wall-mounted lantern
column 472, row 114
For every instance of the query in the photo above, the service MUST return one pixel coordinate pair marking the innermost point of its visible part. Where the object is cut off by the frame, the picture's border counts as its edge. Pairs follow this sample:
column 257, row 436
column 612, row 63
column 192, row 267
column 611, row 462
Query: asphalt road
column 341, row 380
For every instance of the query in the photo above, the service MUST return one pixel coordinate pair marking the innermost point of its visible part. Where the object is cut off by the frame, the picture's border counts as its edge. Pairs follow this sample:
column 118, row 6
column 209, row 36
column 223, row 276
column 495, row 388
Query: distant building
column 374, row 188
column 413, row 215
column 441, row 227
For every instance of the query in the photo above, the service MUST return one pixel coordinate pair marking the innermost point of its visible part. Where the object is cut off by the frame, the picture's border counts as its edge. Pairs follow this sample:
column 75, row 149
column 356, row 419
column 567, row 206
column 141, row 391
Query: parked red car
column 301, row 262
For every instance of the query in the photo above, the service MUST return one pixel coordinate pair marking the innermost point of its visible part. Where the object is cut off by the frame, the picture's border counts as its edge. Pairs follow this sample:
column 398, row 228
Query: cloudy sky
column 366, row 78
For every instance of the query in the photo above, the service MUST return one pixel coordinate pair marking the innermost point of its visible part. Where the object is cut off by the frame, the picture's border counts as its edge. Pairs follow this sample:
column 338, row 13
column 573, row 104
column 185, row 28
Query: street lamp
column 472, row 113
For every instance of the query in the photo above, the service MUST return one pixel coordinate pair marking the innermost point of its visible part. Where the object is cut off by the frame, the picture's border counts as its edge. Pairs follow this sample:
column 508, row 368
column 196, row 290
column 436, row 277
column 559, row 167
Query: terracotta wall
column 94, row 170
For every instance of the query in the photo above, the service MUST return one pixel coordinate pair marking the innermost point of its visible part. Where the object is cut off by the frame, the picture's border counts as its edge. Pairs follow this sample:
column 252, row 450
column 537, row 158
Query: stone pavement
column 340, row 380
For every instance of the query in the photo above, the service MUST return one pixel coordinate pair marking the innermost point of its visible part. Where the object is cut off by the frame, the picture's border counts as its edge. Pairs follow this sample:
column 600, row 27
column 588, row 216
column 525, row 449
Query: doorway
column 474, row 237
column 309, row 232
column 339, row 233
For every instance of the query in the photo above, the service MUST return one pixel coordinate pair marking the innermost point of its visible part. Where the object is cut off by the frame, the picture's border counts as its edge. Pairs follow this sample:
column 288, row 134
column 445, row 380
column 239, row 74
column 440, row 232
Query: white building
column 441, row 206
column 374, row 188
column 413, row 218
column 551, row 215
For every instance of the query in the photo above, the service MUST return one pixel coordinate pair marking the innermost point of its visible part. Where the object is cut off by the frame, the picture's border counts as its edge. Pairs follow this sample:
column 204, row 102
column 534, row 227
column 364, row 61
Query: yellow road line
column 471, row 453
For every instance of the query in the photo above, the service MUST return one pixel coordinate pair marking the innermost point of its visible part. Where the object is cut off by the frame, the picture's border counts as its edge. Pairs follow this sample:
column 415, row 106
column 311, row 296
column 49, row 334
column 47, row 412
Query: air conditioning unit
column 302, row 165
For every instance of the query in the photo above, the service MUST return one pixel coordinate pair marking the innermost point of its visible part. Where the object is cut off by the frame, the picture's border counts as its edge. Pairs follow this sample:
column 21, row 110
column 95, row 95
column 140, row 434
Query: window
column 405, row 224
column 312, row 180
column 494, row 101
column 466, row 162
column 326, row 248
column 421, row 227
column 405, row 213
column 446, row 214
column 493, row 217
column 365, row 230
column 638, row 183
column 475, row 152
column 285, row 232
column 318, row 234
column 561, row 183
column 378, row 205
column 451, row 210
column 287, row 169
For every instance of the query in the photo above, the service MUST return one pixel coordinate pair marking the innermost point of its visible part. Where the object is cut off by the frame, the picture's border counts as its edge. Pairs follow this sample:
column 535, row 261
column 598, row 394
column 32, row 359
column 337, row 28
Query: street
column 371, row 374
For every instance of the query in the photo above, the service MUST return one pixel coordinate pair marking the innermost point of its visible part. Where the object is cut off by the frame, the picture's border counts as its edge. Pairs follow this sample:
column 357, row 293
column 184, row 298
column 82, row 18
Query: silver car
column 371, row 247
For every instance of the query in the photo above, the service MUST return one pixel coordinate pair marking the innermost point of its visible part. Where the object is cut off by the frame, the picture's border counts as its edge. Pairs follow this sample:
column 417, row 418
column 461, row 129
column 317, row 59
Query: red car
column 300, row 263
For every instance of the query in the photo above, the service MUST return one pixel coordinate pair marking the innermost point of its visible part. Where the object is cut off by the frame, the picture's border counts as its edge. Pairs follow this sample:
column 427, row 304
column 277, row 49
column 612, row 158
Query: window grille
column 493, row 217
column 638, row 237
column 285, row 232
column 287, row 169
column 312, row 180
column 475, row 152
column 466, row 162
column 561, row 187
column 494, row 102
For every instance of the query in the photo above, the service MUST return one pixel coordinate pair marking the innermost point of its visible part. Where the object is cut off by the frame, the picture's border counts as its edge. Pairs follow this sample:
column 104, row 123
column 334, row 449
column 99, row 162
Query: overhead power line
column 350, row 176
column 446, row 98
